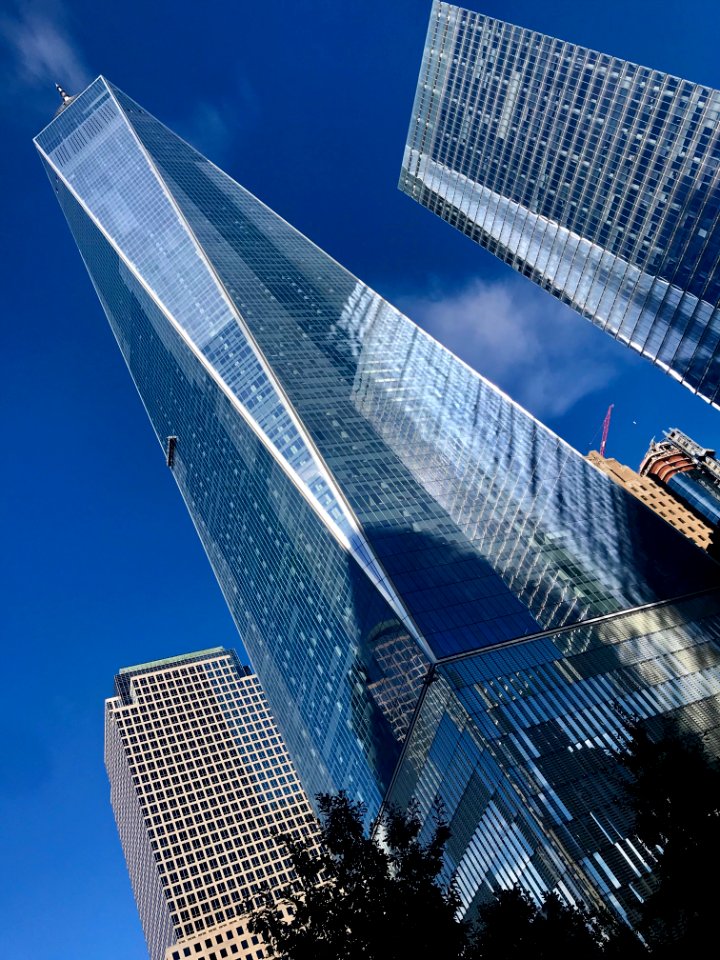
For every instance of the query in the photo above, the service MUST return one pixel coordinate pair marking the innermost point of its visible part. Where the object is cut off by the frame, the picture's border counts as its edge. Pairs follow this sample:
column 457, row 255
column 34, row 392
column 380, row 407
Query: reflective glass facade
column 693, row 489
column 597, row 178
column 374, row 510
column 519, row 745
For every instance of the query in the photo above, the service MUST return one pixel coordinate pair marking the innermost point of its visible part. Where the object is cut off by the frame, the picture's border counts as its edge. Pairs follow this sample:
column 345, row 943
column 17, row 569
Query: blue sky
column 307, row 104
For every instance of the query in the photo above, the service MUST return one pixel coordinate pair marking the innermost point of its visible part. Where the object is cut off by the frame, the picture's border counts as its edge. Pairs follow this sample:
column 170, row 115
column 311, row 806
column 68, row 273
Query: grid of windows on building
column 595, row 177
column 201, row 783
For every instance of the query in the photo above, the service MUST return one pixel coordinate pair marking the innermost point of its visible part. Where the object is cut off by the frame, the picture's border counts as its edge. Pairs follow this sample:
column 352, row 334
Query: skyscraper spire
column 65, row 97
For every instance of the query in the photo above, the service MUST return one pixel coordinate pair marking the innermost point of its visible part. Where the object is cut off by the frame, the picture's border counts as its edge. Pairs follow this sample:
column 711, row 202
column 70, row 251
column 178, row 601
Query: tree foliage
column 673, row 790
column 359, row 899
column 513, row 927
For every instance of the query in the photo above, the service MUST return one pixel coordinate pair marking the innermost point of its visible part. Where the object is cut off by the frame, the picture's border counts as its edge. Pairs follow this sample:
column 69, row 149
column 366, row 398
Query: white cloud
column 41, row 49
column 519, row 337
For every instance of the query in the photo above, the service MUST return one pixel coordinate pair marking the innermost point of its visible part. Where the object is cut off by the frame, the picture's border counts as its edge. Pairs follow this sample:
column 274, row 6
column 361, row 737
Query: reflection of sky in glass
column 106, row 168
column 434, row 462
column 518, row 745
column 370, row 505
column 311, row 620
column 699, row 493
column 115, row 182
column 477, row 523
column 595, row 177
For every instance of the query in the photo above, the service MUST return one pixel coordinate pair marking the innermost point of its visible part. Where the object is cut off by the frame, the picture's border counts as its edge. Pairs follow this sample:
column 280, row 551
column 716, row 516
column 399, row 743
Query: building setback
column 200, row 783
column 442, row 599
column 594, row 177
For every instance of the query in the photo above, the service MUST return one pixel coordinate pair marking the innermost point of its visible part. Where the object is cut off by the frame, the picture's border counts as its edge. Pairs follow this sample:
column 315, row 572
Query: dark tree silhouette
column 514, row 927
column 673, row 788
column 505, row 927
column 359, row 899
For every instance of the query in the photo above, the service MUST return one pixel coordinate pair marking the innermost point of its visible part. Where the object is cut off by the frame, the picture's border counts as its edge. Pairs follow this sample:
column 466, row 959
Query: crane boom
column 606, row 429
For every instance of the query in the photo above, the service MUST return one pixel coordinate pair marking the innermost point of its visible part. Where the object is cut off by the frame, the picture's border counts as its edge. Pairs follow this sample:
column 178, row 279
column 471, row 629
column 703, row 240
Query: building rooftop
column 172, row 661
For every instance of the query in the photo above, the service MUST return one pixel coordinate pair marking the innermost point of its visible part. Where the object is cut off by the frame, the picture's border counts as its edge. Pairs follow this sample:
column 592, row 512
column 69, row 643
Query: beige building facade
column 200, row 783
column 658, row 498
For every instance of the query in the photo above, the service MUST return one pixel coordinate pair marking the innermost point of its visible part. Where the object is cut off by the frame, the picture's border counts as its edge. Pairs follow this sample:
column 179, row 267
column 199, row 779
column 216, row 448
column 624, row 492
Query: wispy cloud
column 40, row 49
column 207, row 128
column 518, row 336
column 214, row 128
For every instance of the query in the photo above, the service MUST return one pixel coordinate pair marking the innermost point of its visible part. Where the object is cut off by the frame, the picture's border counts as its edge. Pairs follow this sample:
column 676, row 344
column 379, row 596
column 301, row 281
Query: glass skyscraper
column 441, row 598
column 594, row 177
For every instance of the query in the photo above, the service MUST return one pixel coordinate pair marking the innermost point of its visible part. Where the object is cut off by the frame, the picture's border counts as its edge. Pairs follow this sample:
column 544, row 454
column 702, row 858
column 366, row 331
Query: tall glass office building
column 441, row 598
column 597, row 178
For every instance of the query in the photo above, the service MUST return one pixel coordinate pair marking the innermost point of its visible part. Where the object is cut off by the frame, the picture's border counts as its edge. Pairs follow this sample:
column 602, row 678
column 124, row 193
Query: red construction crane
column 606, row 428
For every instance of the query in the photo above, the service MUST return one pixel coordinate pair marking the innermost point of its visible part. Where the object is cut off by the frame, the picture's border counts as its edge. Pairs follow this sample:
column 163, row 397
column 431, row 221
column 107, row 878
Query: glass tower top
column 597, row 178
